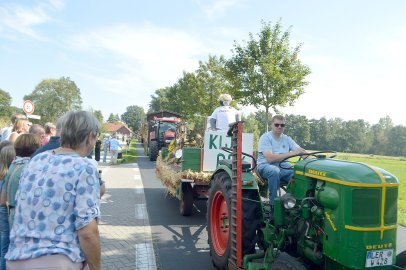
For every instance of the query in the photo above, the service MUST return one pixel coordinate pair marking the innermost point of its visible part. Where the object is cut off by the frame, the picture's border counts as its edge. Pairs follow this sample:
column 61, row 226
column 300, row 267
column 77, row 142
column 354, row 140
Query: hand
column 298, row 151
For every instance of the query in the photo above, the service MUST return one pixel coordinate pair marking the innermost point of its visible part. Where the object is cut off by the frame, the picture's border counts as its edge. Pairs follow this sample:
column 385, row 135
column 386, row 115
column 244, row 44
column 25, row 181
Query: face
column 26, row 127
column 278, row 126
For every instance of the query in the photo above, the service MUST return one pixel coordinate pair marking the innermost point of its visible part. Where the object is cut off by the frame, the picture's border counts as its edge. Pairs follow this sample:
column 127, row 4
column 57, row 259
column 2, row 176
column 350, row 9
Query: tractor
column 161, row 132
column 333, row 215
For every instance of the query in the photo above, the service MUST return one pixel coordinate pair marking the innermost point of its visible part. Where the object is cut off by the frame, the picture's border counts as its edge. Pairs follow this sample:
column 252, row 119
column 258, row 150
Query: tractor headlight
column 288, row 201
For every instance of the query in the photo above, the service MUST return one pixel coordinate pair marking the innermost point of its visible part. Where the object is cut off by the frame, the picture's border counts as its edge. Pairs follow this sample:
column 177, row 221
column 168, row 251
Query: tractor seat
column 229, row 163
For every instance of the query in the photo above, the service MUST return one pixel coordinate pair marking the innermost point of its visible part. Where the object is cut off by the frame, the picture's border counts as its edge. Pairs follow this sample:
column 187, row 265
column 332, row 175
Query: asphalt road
column 181, row 242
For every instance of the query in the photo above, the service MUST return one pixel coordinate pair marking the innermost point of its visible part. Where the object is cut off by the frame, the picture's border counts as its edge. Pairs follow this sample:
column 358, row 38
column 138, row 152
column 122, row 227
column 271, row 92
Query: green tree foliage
column 54, row 97
column 113, row 118
column 6, row 110
column 297, row 126
column 99, row 116
column 267, row 71
column 133, row 117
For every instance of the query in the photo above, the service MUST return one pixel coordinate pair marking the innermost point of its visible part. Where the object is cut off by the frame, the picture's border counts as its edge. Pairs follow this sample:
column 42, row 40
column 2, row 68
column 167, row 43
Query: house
column 120, row 129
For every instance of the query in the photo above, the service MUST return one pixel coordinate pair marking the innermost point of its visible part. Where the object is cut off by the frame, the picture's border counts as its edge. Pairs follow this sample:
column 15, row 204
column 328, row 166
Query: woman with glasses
column 273, row 147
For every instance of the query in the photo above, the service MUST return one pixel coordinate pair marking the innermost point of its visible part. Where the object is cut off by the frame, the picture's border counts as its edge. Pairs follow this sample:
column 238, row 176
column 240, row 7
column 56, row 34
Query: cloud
column 137, row 59
column 24, row 19
column 218, row 7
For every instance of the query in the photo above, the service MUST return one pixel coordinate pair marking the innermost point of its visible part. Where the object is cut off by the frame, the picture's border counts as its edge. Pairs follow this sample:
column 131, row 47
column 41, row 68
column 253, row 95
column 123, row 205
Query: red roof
column 114, row 127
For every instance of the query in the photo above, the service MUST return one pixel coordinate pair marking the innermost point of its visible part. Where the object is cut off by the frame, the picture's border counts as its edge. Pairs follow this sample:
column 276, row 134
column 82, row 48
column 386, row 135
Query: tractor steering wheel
column 304, row 156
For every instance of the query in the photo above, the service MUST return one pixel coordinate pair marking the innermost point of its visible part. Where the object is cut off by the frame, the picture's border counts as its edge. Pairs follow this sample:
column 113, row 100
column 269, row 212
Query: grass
column 394, row 165
column 129, row 155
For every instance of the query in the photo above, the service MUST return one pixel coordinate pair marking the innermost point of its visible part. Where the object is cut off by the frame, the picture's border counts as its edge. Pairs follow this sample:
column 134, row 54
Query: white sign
column 34, row 116
column 214, row 140
column 28, row 107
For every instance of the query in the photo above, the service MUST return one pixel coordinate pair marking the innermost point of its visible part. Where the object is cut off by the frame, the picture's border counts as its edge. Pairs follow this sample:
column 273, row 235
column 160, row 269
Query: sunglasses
column 279, row 125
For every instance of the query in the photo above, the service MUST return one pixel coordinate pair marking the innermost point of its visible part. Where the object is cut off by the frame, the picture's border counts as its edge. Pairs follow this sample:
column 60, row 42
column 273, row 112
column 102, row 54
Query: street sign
column 34, row 116
column 28, row 107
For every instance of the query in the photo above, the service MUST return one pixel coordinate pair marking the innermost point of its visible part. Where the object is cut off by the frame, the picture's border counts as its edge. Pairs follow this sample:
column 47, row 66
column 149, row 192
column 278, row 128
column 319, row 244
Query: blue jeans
column 4, row 235
column 104, row 154
column 274, row 174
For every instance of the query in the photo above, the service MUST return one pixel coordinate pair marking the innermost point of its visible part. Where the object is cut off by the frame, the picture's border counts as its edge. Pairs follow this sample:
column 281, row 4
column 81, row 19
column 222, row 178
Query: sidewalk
column 124, row 227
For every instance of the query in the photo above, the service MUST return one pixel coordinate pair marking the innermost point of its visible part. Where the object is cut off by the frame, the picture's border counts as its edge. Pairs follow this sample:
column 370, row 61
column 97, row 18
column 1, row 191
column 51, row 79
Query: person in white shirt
column 114, row 147
column 224, row 115
column 6, row 132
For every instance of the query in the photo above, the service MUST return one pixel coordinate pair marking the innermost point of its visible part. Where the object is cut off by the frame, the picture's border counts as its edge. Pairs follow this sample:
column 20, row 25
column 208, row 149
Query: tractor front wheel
column 286, row 262
column 153, row 150
column 218, row 220
column 186, row 200
column 401, row 260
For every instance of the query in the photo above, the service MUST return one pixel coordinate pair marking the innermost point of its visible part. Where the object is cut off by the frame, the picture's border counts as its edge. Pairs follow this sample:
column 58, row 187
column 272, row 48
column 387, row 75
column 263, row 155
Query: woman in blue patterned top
column 57, row 209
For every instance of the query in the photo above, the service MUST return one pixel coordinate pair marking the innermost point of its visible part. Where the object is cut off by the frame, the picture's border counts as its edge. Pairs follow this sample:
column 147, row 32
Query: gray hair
column 76, row 126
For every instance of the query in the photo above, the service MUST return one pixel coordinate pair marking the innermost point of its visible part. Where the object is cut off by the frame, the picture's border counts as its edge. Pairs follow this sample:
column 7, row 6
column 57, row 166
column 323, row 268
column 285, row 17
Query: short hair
column 26, row 144
column 279, row 117
column 17, row 116
column 19, row 125
column 4, row 144
column 36, row 129
column 48, row 126
column 7, row 155
column 76, row 126
column 226, row 99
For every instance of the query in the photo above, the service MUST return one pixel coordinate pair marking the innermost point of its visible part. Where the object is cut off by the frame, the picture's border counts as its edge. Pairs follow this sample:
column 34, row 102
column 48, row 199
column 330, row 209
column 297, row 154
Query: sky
column 119, row 52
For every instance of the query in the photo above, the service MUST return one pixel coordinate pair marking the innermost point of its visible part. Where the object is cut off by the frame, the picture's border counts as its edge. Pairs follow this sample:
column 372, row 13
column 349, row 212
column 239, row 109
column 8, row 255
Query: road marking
column 144, row 252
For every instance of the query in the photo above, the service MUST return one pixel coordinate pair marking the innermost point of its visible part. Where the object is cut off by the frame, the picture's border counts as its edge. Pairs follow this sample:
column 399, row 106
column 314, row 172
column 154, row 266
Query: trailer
column 186, row 171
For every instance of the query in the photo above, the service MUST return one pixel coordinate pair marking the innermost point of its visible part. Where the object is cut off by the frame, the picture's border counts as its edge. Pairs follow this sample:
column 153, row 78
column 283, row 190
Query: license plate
column 379, row 257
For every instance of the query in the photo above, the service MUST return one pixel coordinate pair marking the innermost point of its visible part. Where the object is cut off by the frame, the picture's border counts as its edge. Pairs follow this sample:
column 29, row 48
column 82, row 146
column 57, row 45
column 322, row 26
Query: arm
column 13, row 137
column 273, row 158
column 213, row 124
column 89, row 240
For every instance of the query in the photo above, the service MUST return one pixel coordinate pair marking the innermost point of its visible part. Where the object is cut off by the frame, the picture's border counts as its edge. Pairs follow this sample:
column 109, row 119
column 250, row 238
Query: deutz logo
column 315, row 172
column 379, row 246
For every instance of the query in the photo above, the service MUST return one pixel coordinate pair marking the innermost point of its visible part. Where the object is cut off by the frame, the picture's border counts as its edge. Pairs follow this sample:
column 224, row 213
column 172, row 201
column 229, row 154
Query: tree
column 297, row 127
column 54, row 97
column 133, row 117
column 99, row 116
column 267, row 72
column 113, row 118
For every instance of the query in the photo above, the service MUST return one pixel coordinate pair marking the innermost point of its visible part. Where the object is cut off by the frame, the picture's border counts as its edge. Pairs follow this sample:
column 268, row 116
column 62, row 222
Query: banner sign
column 214, row 140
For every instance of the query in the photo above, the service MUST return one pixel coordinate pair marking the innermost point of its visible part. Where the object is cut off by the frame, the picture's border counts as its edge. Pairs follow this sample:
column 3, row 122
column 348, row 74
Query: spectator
column 37, row 130
column 6, row 132
column 54, row 141
column 21, row 126
column 224, row 115
column 114, row 147
column 50, row 131
column 25, row 146
column 66, row 235
column 106, row 147
column 7, row 154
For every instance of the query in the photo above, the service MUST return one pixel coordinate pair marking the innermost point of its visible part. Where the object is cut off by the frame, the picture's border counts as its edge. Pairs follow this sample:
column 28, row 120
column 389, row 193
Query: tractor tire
column 186, row 201
column 153, row 150
column 286, row 262
column 251, row 219
column 401, row 260
column 218, row 220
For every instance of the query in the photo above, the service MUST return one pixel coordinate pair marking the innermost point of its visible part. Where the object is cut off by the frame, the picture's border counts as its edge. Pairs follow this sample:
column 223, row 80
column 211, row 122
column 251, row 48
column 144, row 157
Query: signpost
column 28, row 107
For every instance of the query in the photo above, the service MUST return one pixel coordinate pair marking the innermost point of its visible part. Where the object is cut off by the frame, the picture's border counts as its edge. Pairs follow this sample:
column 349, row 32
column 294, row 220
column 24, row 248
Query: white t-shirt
column 5, row 133
column 224, row 116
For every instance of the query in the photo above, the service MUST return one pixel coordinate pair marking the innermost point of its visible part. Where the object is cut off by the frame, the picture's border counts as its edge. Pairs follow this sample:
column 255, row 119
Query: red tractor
column 161, row 132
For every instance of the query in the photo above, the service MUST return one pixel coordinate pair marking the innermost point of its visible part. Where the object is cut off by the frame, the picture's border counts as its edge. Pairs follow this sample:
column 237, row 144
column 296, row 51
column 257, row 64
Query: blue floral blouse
column 58, row 195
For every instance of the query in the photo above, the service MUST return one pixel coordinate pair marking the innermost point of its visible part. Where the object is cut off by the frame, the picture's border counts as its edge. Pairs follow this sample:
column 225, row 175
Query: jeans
column 4, row 235
column 104, row 154
column 274, row 174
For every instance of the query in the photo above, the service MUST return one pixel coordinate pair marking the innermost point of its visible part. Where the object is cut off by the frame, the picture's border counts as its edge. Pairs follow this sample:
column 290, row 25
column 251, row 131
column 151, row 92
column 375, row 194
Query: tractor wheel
column 218, row 220
column 250, row 220
column 286, row 262
column 153, row 150
column 401, row 260
column 186, row 201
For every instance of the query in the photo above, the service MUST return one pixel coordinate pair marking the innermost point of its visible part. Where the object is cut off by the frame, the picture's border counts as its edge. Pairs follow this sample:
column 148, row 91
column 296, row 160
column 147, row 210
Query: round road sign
column 28, row 107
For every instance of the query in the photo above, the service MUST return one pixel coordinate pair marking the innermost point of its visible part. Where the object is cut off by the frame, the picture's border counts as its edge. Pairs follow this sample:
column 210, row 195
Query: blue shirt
column 54, row 142
column 114, row 144
column 282, row 145
column 58, row 195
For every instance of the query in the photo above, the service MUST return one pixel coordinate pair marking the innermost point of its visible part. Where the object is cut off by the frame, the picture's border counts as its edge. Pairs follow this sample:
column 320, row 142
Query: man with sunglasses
column 273, row 147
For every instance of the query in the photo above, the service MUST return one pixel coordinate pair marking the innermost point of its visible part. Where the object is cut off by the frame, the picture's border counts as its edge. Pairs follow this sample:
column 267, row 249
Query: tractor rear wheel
column 186, row 200
column 218, row 220
column 286, row 262
column 401, row 260
column 153, row 150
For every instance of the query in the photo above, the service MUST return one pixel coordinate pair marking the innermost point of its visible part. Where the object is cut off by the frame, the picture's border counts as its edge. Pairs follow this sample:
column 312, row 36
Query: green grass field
column 129, row 155
column 394, row 165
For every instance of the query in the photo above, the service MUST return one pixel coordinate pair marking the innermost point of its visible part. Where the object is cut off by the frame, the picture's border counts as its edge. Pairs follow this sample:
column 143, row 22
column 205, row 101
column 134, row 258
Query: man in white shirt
column 5, row 132
column 224, row 115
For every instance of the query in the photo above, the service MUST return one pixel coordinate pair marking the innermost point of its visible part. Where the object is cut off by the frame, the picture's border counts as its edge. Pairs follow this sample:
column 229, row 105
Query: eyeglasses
column 279, row 125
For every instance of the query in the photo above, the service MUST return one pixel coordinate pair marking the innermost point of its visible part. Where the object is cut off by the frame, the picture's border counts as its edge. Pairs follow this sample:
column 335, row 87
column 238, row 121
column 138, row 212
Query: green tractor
column 334, row 215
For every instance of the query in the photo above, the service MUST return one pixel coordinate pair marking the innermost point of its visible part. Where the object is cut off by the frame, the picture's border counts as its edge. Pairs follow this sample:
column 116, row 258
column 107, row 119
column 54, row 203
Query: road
column 181, row 242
